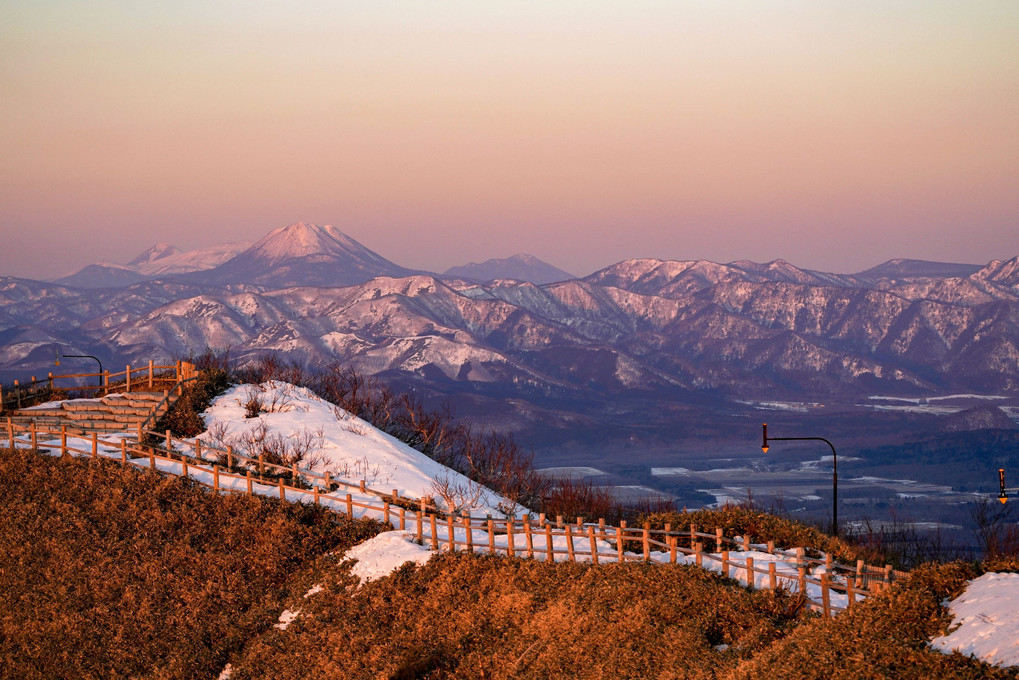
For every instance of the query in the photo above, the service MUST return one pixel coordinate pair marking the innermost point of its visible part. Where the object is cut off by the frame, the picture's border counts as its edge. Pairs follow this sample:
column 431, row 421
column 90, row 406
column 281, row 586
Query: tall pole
column 834, row 470
column 82, row 356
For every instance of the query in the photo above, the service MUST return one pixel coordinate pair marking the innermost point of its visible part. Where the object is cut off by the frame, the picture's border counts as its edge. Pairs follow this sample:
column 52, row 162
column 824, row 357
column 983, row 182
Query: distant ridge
column 521, row 267
column 901, row 268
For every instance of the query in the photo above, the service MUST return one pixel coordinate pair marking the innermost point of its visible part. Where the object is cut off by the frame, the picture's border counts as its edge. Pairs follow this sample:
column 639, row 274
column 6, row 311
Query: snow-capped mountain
column 303, row 255
column 520, row 267
column 638, row 329
column 162, row 259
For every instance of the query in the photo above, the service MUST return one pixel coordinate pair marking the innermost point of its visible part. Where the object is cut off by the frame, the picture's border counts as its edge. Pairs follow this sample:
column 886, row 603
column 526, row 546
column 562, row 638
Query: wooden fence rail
column 817, row 578
column 145, row 377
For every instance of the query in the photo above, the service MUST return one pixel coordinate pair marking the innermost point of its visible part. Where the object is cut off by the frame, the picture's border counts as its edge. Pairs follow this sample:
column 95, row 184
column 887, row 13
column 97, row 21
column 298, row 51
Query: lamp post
column 834, row 470
column 80, row 356
column 1003, row 494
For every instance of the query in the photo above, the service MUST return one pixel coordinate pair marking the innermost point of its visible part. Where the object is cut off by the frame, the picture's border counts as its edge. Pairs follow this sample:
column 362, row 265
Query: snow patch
column 386, row 553
column 986, row 617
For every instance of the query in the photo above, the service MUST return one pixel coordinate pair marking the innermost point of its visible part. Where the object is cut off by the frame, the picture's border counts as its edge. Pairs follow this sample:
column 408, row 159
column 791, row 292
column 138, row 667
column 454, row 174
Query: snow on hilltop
column 336, row 442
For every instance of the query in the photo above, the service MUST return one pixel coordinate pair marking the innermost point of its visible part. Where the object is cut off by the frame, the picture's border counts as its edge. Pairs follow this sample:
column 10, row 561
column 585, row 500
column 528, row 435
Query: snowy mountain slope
column 162, row 259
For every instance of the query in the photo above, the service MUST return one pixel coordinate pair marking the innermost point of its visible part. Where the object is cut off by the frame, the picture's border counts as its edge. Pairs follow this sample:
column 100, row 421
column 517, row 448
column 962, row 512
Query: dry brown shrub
column 885, row 636
column 468, row 616
column 112, row 573
column 761, row 526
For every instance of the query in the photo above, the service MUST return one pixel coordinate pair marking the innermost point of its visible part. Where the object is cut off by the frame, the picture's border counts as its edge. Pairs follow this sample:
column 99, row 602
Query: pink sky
column 835, row 135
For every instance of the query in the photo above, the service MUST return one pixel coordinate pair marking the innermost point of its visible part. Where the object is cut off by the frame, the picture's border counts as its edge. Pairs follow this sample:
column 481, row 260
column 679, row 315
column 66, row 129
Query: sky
column 835, row 135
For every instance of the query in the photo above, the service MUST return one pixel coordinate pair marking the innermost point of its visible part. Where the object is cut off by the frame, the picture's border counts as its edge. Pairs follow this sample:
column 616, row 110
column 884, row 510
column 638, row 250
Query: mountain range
column 640, row 331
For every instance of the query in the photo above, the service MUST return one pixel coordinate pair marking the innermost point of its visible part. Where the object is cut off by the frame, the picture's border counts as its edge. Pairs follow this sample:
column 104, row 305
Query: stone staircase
column 112, row 413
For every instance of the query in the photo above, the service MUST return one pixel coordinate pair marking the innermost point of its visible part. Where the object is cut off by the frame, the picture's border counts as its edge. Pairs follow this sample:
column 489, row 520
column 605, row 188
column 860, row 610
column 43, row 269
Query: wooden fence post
column 559, row 521
column 451, row 531
column 718, row 539
column 772, row 576
column 888, row 575
column 198, row 449
column 725, row 563
column 95, row 444
column 34, row 435
column 859, row 573
column 230, row 457
column 123, row 452
column 403, row 516
column 421, row 528
column 63, row 441
column 646, row 536
column 491, row 536
column 151, row 375
column 469, row 533
column 350, row 507
column 152, row 459
column 169, row 441
column 127, row 378
column 850, row 593
column 601, row 528
column 825, row 595
column 528, row 541
column 549, row 549
column 511, row 549
column 434, row 528
column 362, row 487
column 261, row 465
column 801, row 571
column 10, row 431
column 248, row 476
column 569, row 544
column 283, row 493
column 698, row 556
column 751, row 580
column 184, row 463
column 385, row 511
column 594, row 546
column 771, row 547
column 215, row 478
column 619, row 544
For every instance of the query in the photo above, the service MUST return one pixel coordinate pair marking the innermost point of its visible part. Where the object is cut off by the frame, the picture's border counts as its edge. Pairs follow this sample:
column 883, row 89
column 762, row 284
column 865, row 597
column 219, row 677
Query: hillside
column 123, row 572
column 185, row 585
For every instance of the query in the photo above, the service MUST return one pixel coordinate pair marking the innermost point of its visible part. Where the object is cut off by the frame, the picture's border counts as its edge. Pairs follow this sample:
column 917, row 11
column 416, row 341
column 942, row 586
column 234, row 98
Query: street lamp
column 80, row 356
column 834, row 471
column 1003, row 495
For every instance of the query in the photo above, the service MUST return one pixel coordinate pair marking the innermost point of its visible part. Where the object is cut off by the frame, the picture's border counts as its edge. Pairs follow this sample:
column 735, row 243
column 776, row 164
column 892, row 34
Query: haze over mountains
column 672, row 334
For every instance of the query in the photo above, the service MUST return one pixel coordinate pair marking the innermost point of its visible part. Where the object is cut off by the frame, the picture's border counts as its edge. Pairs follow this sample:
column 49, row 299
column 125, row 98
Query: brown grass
column 467, row 616
column 885, row 637
column 760, row 526
column 110, row 573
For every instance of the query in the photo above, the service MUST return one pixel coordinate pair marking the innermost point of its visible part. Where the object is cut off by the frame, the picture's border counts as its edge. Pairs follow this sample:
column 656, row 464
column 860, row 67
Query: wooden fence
column 226, row 471
column 140, row 378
